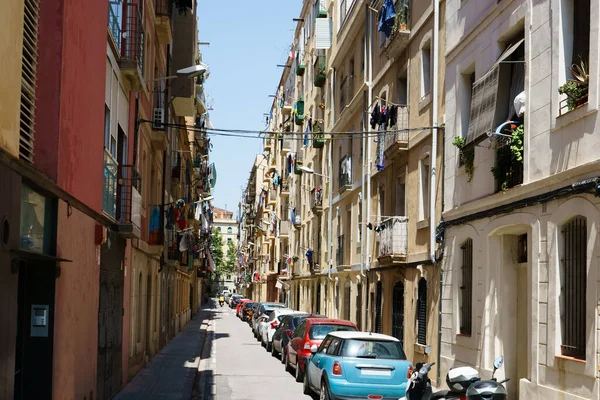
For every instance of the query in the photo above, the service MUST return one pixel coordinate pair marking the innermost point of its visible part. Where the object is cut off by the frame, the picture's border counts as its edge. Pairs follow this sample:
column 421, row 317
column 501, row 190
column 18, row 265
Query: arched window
column 219, row 229
column 229, row 230
column 139, row 310
column 422, row 312
column 573, row 276
column 466, row 288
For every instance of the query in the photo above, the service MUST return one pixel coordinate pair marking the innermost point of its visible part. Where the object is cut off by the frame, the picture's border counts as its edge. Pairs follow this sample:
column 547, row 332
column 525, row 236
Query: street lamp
column 312, row 171
column 189, row 72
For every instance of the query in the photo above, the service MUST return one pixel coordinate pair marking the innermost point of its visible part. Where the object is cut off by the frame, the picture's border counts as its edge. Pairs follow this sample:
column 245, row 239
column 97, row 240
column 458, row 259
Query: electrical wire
column 245, row 133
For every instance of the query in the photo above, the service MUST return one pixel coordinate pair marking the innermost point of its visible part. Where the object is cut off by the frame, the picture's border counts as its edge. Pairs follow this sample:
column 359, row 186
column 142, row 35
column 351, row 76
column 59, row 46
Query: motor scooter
column 458, row 379
column 489, row 389
column 221, row 301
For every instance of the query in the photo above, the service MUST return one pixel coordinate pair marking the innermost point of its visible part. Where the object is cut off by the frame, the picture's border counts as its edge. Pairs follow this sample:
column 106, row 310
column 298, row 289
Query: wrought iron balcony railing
column 393, row 237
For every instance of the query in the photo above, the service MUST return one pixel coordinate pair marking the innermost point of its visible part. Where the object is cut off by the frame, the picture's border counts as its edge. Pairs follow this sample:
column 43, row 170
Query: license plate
column 378, row 372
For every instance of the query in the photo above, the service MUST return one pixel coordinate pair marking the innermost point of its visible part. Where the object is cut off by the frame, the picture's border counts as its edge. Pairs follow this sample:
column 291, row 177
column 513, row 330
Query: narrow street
column 239, row 368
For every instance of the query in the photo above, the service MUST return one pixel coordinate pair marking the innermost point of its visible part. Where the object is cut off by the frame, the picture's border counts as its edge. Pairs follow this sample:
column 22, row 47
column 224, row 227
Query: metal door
column 110, row 316
column 378, row 308
column 398, row 313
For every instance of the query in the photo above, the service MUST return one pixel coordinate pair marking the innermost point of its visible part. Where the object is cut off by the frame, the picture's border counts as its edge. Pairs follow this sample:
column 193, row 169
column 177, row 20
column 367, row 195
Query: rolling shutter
column 28, row 79
column 323, row 33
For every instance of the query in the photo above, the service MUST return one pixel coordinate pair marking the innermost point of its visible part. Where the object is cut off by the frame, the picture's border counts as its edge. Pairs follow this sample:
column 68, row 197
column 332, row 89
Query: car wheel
column 269, row 346
column 306, row 387
column 273, row 351
column 299, row 374
column 324, row 395
column 288, row 367
column 283, row 358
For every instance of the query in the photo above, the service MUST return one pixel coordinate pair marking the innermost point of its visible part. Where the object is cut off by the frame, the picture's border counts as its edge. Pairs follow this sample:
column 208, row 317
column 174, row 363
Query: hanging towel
column 306, row 137
column 387, row 16
column 375, row 116
column 393, row 115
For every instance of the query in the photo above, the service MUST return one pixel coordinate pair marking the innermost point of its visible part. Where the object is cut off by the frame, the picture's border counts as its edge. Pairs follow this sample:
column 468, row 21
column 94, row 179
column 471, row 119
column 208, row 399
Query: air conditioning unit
column 158, row 118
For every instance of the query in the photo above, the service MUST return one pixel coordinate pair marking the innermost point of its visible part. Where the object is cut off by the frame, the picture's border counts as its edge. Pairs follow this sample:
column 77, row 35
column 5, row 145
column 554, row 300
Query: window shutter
column 28, row 79
column 378, row 307
column 483, row 105
column 422, row 312
column 323, row 33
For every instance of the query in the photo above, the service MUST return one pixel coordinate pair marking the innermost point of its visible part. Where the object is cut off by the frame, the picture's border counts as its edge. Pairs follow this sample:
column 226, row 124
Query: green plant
column 576, row 89
column 467, row 155
column 507, row 160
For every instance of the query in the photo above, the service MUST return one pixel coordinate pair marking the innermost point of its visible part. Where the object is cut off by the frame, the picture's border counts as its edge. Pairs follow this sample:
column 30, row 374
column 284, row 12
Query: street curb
column 204, row 355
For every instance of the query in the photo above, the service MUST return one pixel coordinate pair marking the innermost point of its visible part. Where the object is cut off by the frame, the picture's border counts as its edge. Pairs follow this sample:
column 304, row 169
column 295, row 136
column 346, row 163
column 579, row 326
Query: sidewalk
column 172, row 372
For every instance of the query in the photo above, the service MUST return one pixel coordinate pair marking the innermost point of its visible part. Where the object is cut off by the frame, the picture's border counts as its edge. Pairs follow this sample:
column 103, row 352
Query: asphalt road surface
column 240, row 368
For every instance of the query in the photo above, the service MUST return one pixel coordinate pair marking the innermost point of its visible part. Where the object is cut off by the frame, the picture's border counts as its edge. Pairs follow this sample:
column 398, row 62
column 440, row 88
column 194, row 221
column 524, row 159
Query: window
column 228, row 240
column 426, row 69
column 400, row 196
column 332, row 349
column 229, row 230
column 378, row 308
column 359, row 305
column 28, row 80
column 402, row 91
column 139, row 310
column 343, row 11
column 343, row 87
column 466, row 288
column 347, row 288
column 351, row 78
column 466, row 96
column 573, row 288
column 422, row 312
column 363, row 51
column 219, row 229
column 107, row 136
column 424, row 196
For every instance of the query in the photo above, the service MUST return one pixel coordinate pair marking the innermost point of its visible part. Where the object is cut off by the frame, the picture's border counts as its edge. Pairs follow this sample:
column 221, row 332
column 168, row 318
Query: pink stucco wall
column 76, row 312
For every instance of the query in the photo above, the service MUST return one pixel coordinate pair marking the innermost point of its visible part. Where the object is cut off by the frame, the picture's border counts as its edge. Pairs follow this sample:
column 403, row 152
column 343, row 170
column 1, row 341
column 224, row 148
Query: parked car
column 245, row 313
column 260, row 310
column 357, row 365
column 311, row 331
column 284, row 332
column 268, row 327
column 234, row 299
column 238, row 309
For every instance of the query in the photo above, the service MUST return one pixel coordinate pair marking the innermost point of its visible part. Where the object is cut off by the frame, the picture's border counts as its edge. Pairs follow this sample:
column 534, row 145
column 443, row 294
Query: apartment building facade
column 520, row 194
column 227, row 226
column 80, row 248
column 357, row 200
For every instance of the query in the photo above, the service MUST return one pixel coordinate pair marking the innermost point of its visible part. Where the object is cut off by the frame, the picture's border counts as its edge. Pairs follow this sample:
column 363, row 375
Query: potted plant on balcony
column 507, row 162
column 300, row 67
column 299, row 111
column 576, row 89
column 467, row 155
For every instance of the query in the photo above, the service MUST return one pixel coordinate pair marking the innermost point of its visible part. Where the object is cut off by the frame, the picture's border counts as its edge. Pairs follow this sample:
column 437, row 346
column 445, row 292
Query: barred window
column 466, row 288
column 573, row 287
column 378, row 308
column 422, row 312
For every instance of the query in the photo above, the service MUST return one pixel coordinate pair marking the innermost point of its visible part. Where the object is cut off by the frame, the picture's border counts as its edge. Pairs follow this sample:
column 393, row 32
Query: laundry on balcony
column 387, row 18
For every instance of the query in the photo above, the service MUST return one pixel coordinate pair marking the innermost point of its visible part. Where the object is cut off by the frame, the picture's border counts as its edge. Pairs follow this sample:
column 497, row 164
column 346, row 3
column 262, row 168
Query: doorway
column 35, row 329
column 110, row 316
column 148, row 315
column 398, row 312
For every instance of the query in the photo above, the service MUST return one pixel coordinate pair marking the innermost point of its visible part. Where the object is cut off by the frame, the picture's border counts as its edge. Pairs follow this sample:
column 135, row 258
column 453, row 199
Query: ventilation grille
column 28, row 79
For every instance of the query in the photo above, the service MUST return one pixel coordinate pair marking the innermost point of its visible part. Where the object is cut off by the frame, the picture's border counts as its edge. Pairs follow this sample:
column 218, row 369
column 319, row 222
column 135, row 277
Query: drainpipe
column 434, row 135
column 330, row 173
column 432, row 196
column 369, row 140
column 363, row 194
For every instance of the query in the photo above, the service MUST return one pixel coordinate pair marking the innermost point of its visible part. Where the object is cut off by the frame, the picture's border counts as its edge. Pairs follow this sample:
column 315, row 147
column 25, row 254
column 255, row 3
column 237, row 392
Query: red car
column 238, row 308
column 310, row 331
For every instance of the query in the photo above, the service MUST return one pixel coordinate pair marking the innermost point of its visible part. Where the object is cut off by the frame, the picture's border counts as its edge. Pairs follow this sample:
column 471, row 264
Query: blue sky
column 247, row 41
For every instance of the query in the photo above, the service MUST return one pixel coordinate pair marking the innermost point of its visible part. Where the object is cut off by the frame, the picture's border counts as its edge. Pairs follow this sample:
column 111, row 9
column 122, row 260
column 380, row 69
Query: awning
column 484, row 98
column 211, row 262
column 32, row 255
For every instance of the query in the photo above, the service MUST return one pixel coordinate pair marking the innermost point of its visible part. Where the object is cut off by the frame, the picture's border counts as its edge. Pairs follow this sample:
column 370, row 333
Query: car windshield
column 383, row 349
column 248, row 305
column 319, row 331
column 296, row 321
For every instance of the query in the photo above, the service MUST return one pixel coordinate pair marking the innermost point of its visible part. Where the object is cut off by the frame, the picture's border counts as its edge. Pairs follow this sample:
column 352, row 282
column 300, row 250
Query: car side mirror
column 313, row 348
column 427, row 350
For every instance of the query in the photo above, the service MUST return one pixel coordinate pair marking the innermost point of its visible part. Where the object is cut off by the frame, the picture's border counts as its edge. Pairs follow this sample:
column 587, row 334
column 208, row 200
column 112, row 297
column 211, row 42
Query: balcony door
column 400, row 197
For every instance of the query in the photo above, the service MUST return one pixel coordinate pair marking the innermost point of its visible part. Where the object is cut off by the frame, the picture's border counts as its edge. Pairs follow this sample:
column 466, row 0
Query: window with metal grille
column 347, row 300
column 466, row 288
column 573, row 287
column 398, row 312
column 28, row 79
column 378, row 306
column 318, row 297
column 422, row 312
column 359, row 305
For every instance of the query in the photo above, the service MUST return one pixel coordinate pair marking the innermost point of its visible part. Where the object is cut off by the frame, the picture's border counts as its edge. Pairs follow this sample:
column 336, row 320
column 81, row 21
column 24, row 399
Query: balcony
column 284, row 229
column 299, row 112
column 298, row 161
column 297, row 221
column 393, row 241
column 340, row 254
column 398, row 40
column 285, row 188
column 272, row 196
column 286, row 146
column 398, row 141
column 320, row 69
column 316, row 200
column 162, row 20
column 184, row 48
column 268, row 144
column 126, row 29
column 508, row 168
column 121, row 198
column 345, row 177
